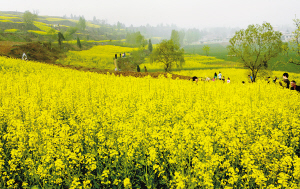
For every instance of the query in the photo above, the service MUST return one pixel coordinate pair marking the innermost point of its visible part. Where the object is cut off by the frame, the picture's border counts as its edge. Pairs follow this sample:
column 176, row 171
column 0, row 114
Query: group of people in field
column 285, row 83
column 215, row 78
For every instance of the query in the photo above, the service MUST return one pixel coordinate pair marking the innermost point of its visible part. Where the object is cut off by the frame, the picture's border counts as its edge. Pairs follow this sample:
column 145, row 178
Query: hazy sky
column 183, row 13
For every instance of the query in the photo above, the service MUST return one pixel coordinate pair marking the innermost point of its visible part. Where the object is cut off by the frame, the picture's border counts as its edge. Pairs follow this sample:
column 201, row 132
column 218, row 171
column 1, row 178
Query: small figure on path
column 24, row 56
column 145, row 68
column 138, row 69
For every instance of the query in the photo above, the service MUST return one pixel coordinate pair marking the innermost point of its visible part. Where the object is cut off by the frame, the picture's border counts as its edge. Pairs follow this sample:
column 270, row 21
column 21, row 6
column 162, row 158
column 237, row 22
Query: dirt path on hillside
column 125, row 73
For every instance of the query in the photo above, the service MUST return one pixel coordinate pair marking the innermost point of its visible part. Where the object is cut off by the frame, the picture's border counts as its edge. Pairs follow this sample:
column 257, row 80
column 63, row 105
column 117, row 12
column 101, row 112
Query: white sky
column 183, row 13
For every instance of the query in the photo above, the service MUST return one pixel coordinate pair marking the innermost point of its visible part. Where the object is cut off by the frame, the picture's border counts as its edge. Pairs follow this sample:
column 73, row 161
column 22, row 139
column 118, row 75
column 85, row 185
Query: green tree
column 136, row 39
column 169, row 54
column 81, row 24
column 139, row 38
column 129, row 63
column 29, row 18
column 206, row 49
column 255, row 46
column 181, row 37
column 150, row 47
column 60, row 38
column 78, row 42
column 285, row 49
column 119, row 25
column 69, row 33
column 192, row 35
column 175, row 37
column 51, row 36
column 295, row 43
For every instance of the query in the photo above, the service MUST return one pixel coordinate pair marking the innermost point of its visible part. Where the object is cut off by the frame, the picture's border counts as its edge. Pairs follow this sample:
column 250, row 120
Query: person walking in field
column 286, row 81
column 250, row 79
column 220, row 76
column 275, row 80
column 294, row 86
column 138, row 69
column 195, row 79
column 145, row 68
column 24, row 56
column 215, row 76
column 228, row 80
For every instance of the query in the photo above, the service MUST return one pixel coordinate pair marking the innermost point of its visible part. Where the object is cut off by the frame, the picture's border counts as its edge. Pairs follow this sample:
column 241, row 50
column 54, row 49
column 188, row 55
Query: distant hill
column 12, row 28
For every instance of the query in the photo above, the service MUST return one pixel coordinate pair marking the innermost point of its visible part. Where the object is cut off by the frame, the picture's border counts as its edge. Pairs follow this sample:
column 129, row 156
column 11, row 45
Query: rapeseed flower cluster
column 62, row 128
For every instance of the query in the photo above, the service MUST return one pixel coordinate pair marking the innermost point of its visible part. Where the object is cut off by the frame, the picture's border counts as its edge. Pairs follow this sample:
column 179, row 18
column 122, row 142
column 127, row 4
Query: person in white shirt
column 220, row 76
column 24, row 57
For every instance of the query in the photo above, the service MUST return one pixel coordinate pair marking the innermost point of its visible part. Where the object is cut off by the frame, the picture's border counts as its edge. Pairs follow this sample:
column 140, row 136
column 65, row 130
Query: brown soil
column 37, row 51
column 125, row 73
column 6, row 46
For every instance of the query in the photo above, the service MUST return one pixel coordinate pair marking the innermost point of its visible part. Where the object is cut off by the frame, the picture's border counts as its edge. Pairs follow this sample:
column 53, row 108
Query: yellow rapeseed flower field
column 38, row 32
column 195, row 62
column 43, row 26
column 10, row 17
column 101, row 56
column 11, row 30
column 63, row 128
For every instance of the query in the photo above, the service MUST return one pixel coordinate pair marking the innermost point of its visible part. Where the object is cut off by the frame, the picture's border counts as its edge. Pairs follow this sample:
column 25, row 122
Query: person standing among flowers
column 286, row 81
column 195, row 79
column 220, row 76
column 294, row 86
column 250, row 79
